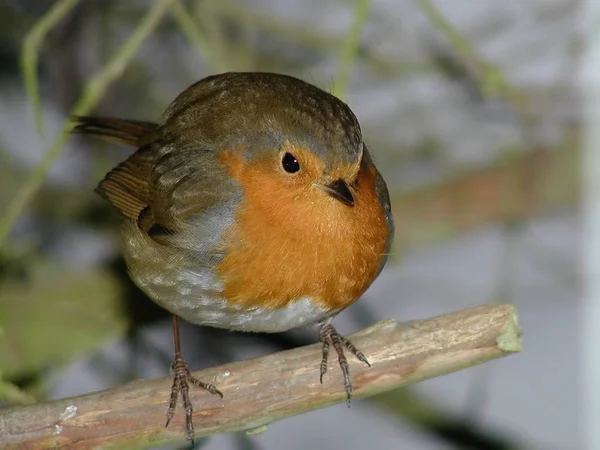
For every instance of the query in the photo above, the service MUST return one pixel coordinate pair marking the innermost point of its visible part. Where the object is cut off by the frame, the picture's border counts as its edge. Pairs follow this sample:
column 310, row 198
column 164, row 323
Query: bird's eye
column 290, row 163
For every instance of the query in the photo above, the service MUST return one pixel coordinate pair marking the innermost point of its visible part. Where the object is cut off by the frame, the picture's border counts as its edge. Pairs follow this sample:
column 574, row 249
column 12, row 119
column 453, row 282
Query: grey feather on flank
column 197, row 296
column 301, row 312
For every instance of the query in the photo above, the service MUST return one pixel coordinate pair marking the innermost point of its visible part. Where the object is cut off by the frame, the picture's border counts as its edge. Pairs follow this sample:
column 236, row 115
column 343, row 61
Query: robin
column 254, row 206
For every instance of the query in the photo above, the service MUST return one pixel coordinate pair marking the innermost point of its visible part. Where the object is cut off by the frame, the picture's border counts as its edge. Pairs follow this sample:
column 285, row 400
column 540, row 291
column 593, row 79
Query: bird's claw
column 329, row 336
column 182, row 378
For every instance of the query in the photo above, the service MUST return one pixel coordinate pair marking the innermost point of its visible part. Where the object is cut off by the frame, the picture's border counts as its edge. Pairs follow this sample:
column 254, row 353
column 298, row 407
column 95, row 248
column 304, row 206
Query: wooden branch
column 539, row 182
column 262, row 390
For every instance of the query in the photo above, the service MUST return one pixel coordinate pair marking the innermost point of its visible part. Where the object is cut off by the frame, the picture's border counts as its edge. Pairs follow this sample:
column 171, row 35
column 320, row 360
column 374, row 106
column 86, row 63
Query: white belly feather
column 195, row 293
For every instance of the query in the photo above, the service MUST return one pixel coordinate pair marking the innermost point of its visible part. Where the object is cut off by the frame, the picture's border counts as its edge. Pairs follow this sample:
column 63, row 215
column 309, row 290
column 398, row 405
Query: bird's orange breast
column 286, row 245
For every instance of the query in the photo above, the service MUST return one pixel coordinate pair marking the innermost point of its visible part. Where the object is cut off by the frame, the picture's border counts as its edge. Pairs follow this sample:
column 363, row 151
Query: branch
column 92, row 93
column 540, row 182
column 262, row 390
column 350, row 49
column 491, row 80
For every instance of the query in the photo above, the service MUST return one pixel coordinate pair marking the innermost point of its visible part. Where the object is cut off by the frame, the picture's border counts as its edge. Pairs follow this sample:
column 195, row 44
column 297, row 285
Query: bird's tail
column 128, row 132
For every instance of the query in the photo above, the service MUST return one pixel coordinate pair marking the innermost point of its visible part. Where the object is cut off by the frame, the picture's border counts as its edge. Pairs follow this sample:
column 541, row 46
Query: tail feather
column 128, row 132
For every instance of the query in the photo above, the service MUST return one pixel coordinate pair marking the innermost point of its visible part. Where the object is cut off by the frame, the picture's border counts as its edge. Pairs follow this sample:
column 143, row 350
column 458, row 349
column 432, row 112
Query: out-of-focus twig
column 30, row 52
column 457, row 432
column 207, row 16
column 186, row 24
column 350, row 48
column 491, row 80
column 494, row 194
column 92, row 93
column 320, row 41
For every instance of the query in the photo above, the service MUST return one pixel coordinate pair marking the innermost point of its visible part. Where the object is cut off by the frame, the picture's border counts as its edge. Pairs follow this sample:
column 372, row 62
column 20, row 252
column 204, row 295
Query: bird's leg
column 329, row 336
column 182, row 378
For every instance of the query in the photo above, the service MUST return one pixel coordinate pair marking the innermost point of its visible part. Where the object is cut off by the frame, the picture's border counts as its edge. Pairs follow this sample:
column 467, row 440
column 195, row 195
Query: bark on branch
column 262, row 390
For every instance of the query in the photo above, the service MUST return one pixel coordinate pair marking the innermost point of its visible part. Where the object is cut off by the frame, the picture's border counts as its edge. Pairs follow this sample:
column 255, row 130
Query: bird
column 253, row 205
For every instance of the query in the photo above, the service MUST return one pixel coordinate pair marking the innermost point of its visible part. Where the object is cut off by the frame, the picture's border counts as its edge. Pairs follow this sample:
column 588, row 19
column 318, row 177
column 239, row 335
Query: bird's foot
column 182, row 378
column 329, row 336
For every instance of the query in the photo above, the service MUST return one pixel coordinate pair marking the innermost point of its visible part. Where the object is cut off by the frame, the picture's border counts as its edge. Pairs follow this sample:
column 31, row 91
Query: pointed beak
column 340, row 191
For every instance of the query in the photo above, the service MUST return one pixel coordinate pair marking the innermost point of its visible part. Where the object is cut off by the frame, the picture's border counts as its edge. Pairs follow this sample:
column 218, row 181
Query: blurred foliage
column 52, row 317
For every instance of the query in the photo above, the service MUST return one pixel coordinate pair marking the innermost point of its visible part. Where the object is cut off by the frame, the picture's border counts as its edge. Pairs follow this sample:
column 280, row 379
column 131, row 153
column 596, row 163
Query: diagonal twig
column 262, row 390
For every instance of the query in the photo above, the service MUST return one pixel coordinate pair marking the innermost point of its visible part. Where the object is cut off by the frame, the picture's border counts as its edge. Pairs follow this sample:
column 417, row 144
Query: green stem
column 187, row 25
column 91, row 95
column 350, row 48
column 491, row 79
column 30, row 53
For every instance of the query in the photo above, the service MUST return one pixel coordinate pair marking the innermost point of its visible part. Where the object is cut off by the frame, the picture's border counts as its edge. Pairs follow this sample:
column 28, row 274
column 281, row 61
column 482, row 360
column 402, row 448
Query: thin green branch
column 184, row 21
column 207, row 15
column 30, row 52
column 92, row 93
column 350, row 48
column 492, row 82
column 320, row 41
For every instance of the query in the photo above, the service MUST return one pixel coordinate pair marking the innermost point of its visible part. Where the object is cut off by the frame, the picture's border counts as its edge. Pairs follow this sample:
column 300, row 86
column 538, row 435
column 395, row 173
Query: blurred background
column 471, row 110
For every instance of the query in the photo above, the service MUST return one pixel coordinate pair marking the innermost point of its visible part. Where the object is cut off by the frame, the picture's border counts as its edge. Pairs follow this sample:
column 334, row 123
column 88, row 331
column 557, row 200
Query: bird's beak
column 340, row 191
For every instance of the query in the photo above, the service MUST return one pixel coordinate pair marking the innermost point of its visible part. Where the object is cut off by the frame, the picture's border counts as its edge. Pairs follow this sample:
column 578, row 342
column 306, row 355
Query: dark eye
column 290, row 163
